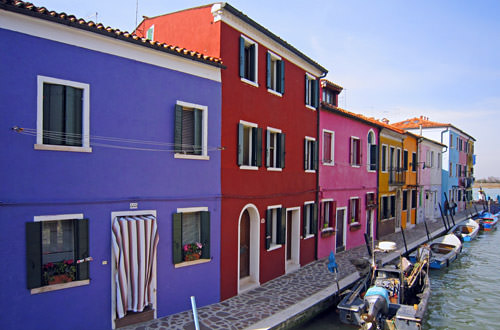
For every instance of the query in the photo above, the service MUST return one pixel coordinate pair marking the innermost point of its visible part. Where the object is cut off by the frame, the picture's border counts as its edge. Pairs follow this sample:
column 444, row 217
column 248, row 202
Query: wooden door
column 245, row 245
column 289, row 235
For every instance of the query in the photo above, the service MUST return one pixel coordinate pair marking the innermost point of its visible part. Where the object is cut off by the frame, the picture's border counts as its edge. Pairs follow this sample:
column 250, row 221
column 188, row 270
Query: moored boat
column 444, row 250
column 467, row 229
column 487, row 221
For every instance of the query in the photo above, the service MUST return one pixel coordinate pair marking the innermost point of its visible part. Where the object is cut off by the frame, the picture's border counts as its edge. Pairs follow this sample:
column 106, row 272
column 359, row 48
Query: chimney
column 385, row 120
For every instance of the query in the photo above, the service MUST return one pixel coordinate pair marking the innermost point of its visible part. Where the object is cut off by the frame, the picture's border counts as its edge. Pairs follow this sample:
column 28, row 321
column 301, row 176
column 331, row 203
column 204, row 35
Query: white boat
column 444, row 250
column 467, row 229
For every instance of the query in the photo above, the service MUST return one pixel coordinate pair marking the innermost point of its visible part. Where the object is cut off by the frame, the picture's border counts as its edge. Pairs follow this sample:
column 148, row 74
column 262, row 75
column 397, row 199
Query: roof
column 29, row 9
column 360, row 117
column 424, row 122
column 327, row 83
column 271, row 35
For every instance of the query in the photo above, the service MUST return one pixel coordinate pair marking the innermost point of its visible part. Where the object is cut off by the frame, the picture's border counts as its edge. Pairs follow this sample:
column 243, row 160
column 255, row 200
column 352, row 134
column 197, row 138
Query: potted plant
column 192, row 251
column 59, row 272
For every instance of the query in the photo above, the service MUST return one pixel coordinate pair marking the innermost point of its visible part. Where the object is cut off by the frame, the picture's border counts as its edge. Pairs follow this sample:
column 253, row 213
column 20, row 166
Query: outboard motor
column 376, row 302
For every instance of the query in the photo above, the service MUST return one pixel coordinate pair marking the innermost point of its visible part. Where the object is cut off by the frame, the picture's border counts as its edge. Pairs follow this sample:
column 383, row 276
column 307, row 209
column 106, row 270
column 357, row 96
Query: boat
column 467, row 229
column 390, row 297
column 487, row 220
column 444, row 250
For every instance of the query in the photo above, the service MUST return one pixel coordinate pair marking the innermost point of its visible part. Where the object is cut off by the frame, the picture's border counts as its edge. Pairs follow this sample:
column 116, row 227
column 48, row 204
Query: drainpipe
column 378, row 179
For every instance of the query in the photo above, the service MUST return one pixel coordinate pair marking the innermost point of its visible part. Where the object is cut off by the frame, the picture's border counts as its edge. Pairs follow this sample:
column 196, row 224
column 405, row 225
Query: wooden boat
column 390, row 297
column 444, row 250
column 467, row 229
column 487, row 221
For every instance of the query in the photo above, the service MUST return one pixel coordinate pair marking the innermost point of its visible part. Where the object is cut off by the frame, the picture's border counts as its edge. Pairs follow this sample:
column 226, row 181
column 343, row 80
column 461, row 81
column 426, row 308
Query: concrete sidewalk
column 294, row 297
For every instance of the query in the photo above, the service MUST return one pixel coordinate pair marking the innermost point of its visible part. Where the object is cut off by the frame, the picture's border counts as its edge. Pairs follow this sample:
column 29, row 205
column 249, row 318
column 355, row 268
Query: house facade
column 270, row 96
column 410, row 190
column 113, row 167
column 347, row 176
column 392, row 178
column 457, row 178
column 429, row 178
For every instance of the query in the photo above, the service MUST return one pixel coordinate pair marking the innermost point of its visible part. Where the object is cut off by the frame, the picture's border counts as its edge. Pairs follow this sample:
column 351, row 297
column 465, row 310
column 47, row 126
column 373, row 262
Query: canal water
column 464, row 296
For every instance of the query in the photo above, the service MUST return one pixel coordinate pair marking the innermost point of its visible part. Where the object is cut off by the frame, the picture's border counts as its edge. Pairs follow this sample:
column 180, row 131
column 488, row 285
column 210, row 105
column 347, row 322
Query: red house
column 269, row 141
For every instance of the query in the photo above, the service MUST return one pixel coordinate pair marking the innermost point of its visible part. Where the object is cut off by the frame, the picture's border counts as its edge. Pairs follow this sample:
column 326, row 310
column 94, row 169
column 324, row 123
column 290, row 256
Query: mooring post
column 195, row 313
column 367, row 242
column 404, row 240
column 427, row 231
column 442, row 216
column 453, row 220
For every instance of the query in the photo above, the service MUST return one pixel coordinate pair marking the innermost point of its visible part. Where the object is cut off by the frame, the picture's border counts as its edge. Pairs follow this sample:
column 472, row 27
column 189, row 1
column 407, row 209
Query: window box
column 327, row 232
column 353, row 226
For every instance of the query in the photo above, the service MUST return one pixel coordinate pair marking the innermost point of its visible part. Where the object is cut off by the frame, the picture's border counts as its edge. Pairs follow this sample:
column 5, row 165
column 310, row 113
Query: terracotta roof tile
column 417, row 121
column 27, row 8
column 325, row 82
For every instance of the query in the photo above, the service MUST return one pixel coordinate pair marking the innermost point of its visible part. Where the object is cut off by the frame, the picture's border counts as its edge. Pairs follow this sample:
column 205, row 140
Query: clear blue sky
column 395, row 59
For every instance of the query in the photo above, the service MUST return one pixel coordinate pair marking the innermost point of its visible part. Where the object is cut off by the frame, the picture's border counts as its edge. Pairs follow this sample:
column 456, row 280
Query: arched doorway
column 248, row 248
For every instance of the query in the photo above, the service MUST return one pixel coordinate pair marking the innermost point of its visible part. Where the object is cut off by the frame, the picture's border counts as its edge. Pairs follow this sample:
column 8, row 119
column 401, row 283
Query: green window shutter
column 405, row 160
column 178, row 129
column 53, row 114
column 177, row 238
column 34, row 254
column 268, row 148
column 281, row 226
column 373, row 157
column 198, row 115
column 315, row 93
column 205, row 234
column 315, row 155
column 269, row 228
column 242, row 57
column 268, row 71
column 257, row 146
column 239, row 156
column 82, row 247
column 282, row 76
column 252, row 63
column 73, row 116
column 307, row 90
column 314, row 217
column 281, row 150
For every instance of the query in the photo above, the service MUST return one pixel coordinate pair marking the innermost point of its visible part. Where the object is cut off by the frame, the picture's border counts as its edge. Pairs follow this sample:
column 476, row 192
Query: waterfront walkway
column 289, row 298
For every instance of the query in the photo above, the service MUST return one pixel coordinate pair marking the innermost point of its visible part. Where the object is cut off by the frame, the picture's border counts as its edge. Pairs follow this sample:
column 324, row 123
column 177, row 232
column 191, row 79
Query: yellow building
column 392, row 179
column 410, row 191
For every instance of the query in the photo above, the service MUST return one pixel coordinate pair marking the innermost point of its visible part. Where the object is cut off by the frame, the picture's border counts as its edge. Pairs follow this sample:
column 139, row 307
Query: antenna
column 136, row 12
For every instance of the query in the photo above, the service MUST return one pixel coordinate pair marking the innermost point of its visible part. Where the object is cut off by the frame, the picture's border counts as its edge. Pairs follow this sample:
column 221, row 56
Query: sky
column 395, row 59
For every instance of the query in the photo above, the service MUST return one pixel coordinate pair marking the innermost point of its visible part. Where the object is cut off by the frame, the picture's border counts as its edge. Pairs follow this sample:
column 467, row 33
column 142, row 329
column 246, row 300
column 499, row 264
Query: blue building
column 110, row 174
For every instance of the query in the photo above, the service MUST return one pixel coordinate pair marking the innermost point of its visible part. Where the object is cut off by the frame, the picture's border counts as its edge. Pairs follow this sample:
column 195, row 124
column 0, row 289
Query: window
column 413, row 198
column 451, row 169
column 460, row 144
column 275, row 73
column 354, row 210
column 275, row 227
column 249, row 145
column 248, row 60
column 457, row 172
column 330, row 97
column 431, row 163
column 398, row 159
column 372, row 152
column 312, row 91
column 384, row 158
column 275, row 148
column 328, row 147
column 310, row 222
column 328, row 212
column 451, row 141
column 355, row 151
column 393, row 206
column 405, row 160
column 414, row 161
column 310, row 154
column 438, row 160
column 62, row 115
column 405, row 200
column 388, row 207
column 190, row 133
column 54, row 244
column 190, row 225
column 150, row 34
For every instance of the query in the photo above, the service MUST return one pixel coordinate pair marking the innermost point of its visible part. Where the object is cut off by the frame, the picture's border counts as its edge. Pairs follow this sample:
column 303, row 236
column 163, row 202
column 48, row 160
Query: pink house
column 348, row 175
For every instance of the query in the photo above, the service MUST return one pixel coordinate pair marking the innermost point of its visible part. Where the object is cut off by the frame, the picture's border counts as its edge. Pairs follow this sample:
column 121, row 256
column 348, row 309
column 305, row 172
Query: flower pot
column 62, row 278
column 192, row 256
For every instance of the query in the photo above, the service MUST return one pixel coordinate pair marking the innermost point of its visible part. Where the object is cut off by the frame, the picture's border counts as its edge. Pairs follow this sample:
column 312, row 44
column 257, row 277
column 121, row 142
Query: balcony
column 397, row 176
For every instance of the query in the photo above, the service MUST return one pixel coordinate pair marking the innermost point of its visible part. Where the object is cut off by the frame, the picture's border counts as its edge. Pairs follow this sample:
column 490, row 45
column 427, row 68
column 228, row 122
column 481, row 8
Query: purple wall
column 128, row 99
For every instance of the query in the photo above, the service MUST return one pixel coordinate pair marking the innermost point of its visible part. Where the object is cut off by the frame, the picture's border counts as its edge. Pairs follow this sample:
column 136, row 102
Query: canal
column 464, row 296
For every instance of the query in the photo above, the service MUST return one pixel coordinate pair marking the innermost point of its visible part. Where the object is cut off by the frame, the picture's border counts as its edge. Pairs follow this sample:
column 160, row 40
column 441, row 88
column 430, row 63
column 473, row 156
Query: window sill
column 248, row 167
column 272, row 91
column 328, row 163
column 310, row 107
column 197, row 157
column 55, row 287
column 355, row 166
column 62, row 148
column 191, row 263
column 388, row 219
column 274, row 247
column 310, row 171
column 309, row 236
column 252, row 83
column 274, row 169
column 355, row 225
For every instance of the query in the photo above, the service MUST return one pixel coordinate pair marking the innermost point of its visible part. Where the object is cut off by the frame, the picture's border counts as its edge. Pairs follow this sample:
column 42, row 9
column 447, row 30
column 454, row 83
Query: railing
column 397, row 176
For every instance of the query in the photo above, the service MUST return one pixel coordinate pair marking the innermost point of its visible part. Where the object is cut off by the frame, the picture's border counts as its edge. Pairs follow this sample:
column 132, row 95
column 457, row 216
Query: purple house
column 347, row 176
column 110, row 174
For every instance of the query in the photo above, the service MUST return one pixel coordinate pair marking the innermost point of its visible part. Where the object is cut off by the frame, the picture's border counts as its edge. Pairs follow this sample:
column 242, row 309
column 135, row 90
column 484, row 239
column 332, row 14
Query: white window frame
column 332, row 148
column 309, row 101
column 353, row 138
column 332, row 211
column 386, row 165
column 310, row 153
column 273, row 166
column 250, row 42
column 310, row 220
column 350, row 209
column 274, row 230
column 250, row 146
column 204, row 132
column 274, row 84
column 368, row 151
column 85, row 115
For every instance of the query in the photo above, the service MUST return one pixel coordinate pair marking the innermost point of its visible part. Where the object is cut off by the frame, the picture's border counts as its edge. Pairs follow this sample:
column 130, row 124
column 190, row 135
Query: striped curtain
column 135, row 239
